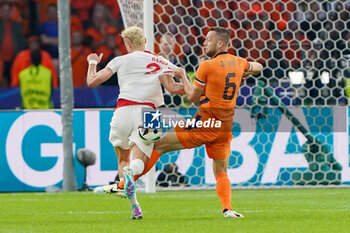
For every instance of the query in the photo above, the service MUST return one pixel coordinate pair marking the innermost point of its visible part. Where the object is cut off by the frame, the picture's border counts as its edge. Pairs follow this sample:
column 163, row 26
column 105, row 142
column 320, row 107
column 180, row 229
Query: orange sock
column 151, row 162
column 121, row 184
column 223, row 189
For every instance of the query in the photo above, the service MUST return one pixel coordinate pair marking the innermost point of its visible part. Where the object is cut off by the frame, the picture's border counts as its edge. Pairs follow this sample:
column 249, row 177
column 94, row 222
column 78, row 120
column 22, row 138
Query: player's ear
column 221, row 43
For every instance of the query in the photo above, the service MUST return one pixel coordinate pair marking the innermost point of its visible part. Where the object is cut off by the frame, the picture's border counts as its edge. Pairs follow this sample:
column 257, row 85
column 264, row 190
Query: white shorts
column 124, row 129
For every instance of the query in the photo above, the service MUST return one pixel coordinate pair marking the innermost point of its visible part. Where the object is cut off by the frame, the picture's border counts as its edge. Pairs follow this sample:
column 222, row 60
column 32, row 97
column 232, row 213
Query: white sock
column 137, row 166
column 133, row 200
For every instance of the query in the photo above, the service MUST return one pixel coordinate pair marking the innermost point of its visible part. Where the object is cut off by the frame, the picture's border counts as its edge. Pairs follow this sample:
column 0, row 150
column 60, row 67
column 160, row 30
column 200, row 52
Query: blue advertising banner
column 269, row 151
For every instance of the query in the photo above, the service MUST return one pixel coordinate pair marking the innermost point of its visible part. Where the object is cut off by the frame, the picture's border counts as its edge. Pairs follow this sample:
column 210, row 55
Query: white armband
column 94, row 62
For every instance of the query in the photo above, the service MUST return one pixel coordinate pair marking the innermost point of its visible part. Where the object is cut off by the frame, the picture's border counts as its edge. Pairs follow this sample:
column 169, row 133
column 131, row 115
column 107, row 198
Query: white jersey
column 138, row 74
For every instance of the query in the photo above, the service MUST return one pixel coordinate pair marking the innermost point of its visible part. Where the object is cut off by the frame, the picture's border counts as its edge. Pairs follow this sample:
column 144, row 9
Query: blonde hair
column 135, row 34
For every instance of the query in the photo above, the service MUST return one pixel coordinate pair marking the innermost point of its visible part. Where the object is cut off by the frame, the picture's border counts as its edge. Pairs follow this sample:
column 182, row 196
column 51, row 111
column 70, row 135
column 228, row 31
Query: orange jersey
column 221, row 78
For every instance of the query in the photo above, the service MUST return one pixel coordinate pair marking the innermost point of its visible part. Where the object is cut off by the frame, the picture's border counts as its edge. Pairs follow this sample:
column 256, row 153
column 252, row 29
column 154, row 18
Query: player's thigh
column 169, row 142
column 218, row 151
column 121, row 127
column 193, row 136
column 190, row 137
column 143, row 147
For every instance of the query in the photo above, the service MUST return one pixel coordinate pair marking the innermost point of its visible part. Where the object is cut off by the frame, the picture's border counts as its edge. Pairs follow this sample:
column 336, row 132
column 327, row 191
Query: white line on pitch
column 93, row 212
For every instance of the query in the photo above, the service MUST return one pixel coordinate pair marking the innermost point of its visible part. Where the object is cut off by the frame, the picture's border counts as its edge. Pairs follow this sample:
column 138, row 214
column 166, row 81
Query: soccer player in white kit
column 140, row 74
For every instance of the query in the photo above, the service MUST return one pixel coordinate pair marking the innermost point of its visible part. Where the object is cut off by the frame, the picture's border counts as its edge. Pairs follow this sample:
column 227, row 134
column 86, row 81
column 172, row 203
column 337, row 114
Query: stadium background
column 311, row 37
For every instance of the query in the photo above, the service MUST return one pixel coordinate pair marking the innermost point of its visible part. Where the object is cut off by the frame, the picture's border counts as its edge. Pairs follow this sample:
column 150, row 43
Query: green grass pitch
column 286, row 210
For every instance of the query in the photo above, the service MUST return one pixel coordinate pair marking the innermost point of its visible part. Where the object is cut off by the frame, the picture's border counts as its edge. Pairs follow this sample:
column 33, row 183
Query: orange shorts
column 216, row 139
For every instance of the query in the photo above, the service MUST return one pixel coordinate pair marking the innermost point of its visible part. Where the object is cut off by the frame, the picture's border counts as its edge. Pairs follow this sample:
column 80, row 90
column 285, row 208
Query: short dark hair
column 35, row 57
column 222, row 33
column 51, row 5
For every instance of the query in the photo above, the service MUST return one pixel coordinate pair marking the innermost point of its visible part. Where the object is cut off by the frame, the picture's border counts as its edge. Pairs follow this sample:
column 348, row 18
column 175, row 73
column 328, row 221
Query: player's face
column 6, row 11
column 77, row 38
column 166, row 45
column 210, row 44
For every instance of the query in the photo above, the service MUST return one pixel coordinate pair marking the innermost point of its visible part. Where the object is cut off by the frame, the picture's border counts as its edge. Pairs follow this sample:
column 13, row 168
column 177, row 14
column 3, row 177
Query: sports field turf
column 296, row 210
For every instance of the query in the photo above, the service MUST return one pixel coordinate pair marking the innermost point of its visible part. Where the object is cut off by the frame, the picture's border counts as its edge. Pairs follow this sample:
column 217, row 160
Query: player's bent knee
column 220, row 166
column 137, row 166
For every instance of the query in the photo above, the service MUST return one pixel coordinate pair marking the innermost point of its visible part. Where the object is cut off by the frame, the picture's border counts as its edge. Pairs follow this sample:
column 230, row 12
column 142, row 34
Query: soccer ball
column 149, row 135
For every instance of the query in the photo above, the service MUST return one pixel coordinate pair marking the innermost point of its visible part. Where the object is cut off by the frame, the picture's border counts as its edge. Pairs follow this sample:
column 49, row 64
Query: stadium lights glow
column 296, row 77
column 325, row 77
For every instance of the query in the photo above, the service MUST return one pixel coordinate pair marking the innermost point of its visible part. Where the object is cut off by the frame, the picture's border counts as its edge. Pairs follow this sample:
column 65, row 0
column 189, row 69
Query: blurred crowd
column 32, row 25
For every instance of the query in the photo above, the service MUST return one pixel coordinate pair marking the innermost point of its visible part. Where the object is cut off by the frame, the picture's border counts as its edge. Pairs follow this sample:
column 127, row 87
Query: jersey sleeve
column 167, row 66
column 116, row 62
column 201, row 77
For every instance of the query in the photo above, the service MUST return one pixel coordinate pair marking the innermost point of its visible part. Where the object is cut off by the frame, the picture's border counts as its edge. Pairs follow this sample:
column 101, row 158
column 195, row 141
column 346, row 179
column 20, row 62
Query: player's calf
column 129, row 183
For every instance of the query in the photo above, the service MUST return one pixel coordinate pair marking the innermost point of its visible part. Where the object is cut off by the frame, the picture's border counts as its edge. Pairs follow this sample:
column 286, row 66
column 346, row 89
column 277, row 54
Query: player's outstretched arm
column 94, row 79
column 256, row 69
column 172, row 86
column 193, row 92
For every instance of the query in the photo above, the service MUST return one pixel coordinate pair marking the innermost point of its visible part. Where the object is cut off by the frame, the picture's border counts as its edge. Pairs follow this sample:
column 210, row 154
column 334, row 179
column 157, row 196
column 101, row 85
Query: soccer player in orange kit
column 215, row 87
